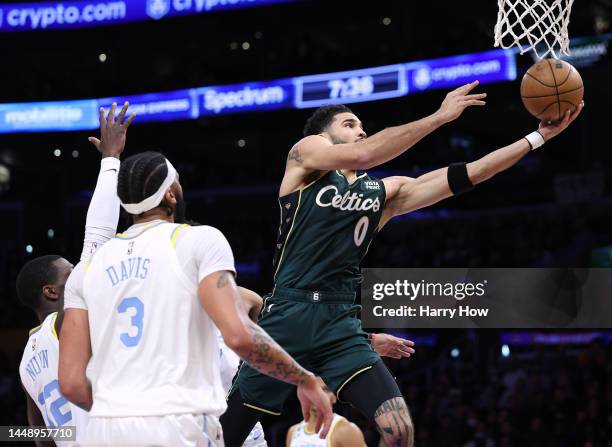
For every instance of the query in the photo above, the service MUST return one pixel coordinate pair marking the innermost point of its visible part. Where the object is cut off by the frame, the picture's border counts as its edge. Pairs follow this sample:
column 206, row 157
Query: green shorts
column 321, row 331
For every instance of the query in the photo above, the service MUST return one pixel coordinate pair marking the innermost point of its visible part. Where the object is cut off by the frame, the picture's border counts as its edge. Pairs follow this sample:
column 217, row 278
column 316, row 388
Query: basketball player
column 40, row 286
column 385, row 344
column 142, row 312
column 343, row 433
column 329, row 216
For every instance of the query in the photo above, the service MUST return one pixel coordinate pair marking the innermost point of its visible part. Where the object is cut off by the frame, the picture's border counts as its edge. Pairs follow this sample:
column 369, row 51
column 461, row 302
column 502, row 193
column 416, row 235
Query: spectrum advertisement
column 80, row 14
column 368, row 84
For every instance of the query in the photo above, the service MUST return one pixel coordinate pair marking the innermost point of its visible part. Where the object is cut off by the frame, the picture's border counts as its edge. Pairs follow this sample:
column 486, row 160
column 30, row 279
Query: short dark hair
column 140, row 176
column 33, row 276
column 320, row 120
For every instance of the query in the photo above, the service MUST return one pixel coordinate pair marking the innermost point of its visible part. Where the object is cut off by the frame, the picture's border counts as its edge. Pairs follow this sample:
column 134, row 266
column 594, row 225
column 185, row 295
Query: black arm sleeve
column 458, row 179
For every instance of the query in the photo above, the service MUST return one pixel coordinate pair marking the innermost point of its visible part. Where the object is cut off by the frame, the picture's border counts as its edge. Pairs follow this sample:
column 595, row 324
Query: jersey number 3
column 361, row 229
column 136, row 320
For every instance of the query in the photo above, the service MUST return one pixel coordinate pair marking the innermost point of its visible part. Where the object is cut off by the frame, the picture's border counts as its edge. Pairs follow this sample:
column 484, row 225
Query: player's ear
column 50, row 292
column 170, row 197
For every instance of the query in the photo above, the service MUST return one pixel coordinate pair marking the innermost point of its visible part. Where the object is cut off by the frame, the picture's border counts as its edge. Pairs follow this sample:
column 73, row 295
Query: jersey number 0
column 361, row 229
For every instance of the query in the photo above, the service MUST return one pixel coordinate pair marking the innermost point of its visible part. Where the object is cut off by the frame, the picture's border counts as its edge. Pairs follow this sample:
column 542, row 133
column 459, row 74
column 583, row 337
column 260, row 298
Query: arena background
column 548, row 388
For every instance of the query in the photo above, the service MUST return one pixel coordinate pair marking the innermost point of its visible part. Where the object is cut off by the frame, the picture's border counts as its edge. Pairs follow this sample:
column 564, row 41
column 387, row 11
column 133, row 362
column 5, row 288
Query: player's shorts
column 318, row 329
column 188, row 430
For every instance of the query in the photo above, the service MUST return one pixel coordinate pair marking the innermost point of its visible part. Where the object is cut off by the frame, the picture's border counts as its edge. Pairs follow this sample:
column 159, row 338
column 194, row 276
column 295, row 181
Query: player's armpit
column 318, row 153
column 74, row 355
column 347, row 434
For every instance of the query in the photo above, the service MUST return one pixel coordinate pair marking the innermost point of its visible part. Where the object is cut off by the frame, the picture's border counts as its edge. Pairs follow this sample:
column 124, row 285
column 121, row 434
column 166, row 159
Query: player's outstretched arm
column 318, row 153
column 220, row 298
column 75, row 352
column 406, row 194
column 103, row 211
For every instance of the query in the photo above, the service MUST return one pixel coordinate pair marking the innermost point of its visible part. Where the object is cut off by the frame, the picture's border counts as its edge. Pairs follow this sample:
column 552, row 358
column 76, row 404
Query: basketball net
column 534, row 25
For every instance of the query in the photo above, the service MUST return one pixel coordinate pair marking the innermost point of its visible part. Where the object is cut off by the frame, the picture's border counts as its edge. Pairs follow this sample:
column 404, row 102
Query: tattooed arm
column 220, row 298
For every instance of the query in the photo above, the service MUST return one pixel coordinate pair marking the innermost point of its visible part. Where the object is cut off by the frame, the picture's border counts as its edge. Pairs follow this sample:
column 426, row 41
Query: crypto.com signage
column 79, row 14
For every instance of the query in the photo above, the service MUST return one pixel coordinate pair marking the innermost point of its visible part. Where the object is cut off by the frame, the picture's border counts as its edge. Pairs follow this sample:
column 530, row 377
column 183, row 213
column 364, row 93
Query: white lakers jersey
column 229, row 365
column 154, row 349
column 301, row 437
column 38, row 371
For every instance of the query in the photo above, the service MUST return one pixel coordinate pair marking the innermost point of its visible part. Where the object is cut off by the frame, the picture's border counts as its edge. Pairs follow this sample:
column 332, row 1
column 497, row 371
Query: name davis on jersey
column 329, row 196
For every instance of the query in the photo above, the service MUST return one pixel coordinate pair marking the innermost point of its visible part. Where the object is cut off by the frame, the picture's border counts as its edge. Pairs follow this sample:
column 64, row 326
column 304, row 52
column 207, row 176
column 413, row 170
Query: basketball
column 550, row 88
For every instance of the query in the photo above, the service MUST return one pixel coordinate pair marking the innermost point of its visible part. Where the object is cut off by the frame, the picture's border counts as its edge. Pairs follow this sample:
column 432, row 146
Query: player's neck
column 59, row 320
column 154, row 214
column 42, row 314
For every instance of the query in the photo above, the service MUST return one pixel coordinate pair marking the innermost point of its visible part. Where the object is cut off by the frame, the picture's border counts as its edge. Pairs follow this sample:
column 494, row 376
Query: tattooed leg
column 394, row 424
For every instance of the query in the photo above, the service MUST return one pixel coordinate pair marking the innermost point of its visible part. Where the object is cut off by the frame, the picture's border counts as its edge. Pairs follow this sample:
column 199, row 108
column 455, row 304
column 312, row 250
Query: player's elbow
column 70, row 385
column 240, row 341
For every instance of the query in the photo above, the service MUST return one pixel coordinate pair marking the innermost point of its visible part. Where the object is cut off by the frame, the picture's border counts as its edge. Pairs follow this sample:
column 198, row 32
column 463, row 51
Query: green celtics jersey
column 325, row 231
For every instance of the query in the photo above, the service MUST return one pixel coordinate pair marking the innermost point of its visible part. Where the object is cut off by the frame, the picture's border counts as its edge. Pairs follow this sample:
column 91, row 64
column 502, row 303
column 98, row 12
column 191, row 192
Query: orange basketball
column 550, row 88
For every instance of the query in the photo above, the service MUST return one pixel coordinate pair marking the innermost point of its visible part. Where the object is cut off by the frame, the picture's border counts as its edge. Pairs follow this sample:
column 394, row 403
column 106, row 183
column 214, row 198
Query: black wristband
column 458, row 179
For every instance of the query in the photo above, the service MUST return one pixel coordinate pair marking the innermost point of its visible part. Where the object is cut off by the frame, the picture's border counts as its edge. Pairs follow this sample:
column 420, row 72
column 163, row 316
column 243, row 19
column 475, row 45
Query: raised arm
column 220, row 298
column 103, row 211
column 406, row 194
column 318, row 153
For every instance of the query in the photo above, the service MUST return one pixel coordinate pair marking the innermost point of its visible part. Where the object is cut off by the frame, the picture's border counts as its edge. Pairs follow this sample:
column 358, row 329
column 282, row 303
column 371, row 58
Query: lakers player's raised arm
column 103, row 211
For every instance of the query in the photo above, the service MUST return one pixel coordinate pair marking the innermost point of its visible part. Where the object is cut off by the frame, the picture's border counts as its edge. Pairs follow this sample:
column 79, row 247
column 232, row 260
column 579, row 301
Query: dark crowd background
column 551, row 210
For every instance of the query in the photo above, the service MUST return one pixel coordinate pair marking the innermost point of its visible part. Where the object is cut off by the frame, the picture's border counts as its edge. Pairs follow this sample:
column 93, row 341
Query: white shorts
column 175, row 430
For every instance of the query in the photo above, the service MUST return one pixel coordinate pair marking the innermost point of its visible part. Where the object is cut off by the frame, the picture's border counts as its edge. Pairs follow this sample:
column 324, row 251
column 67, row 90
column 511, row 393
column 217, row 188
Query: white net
column 538, row 25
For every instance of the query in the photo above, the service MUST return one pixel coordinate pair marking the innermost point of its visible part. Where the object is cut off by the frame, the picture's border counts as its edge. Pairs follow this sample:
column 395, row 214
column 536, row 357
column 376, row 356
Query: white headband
column 151, row 202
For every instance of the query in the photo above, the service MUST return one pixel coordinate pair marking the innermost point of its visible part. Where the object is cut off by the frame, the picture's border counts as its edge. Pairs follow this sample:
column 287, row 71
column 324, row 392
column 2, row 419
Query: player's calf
column 394, row 423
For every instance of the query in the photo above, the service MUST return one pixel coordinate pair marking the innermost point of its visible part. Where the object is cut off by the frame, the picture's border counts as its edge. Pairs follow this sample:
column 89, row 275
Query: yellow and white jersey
column 38, row 372
column 154, row 348
column 301, row 437
column 229, row 366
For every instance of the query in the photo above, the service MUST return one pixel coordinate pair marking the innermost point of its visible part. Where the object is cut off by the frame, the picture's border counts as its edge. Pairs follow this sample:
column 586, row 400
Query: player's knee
column 400, row 435
column 394, row 423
